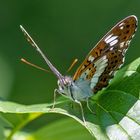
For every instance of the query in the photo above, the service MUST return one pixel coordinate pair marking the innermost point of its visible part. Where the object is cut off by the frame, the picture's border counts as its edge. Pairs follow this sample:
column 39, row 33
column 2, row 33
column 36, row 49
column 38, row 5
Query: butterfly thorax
column 78, row 90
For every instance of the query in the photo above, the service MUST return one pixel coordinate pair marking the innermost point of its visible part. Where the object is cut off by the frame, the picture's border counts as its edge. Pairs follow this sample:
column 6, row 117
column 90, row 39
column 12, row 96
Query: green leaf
column 63, row 132
column 117, row 110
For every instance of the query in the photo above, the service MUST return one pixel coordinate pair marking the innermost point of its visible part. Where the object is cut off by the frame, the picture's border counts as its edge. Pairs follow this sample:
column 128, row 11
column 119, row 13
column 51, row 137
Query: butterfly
column 99, row 66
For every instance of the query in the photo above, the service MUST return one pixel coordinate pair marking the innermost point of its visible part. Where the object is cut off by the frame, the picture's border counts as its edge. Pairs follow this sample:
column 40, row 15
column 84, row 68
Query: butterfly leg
column 82, row 111
column 88, row 106
column 54, row 98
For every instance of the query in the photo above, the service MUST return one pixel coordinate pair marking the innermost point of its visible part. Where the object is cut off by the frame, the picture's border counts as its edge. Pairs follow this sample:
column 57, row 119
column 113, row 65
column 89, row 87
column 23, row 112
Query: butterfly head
column 65, row 85
column 64, row 82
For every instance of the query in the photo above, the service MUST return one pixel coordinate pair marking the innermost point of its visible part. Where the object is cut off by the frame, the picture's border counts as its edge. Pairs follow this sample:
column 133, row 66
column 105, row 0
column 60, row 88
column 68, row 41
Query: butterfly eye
column 68, row 81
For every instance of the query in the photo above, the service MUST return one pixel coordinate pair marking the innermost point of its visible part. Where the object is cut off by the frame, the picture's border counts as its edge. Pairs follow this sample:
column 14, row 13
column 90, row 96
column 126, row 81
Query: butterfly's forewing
column 108, row 55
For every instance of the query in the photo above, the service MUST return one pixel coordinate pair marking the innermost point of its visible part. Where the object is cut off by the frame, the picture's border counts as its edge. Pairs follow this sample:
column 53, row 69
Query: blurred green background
column 64, row 30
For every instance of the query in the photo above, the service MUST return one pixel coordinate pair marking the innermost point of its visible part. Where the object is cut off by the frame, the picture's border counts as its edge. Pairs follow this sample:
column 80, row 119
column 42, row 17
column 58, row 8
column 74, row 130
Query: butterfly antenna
column 32, row 42
column 72, row 65
column 33, row 65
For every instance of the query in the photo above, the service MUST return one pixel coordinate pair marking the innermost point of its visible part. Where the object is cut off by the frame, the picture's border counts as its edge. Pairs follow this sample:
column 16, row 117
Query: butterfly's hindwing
column 115, row 59
column 108, row 55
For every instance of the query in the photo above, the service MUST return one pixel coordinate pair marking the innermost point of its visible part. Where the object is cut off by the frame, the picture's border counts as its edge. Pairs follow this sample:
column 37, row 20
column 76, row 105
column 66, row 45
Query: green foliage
column 64, row 30
column 117, row 114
